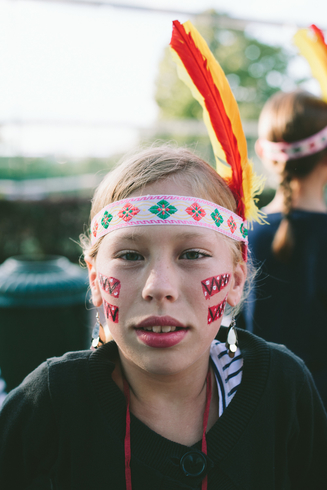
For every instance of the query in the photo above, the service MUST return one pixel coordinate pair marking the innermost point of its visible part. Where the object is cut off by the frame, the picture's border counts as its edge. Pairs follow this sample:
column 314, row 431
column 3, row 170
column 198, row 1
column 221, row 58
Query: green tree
column 254, row 70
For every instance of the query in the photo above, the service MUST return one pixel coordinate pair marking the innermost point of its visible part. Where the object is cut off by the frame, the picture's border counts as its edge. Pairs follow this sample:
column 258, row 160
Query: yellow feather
column 227, row 96
column 252, row 184
column 315, row 53
column 223, row 169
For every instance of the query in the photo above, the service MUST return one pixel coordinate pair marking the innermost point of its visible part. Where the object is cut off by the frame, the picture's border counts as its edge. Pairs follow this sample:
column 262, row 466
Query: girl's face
column 164, row 288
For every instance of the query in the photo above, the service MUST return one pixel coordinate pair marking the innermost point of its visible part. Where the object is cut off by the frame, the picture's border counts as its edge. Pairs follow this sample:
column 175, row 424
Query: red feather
column 196, row 67
column 318, row 33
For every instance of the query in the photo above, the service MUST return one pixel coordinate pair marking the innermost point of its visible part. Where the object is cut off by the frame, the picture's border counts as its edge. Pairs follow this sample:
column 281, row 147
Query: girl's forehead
column 168, row 236
column 167, row 232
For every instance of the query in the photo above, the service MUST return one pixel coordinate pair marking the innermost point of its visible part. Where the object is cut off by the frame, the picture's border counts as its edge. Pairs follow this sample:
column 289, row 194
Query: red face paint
column 111, row 312
column 110, row 285
column 214, row 285
column 215, row 312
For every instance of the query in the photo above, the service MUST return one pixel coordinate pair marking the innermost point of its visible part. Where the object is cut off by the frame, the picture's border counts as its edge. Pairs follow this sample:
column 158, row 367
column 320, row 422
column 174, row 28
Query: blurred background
column 84, row 81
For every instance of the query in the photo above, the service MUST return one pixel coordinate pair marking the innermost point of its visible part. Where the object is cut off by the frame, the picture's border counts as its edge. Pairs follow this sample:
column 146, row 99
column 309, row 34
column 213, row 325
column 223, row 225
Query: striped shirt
column 3, row 393
column 228, row 372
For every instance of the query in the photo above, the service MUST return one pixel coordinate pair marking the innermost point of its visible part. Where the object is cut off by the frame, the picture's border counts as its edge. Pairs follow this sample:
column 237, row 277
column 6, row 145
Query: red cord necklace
column 127, row 441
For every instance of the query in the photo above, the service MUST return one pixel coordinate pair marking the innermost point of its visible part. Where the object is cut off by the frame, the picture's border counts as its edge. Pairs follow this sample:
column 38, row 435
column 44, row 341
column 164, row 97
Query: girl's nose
column 161, row 283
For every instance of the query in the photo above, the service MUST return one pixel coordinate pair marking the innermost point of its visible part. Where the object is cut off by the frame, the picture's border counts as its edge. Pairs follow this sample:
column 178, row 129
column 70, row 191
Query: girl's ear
column 93, row 279
column 239, row 276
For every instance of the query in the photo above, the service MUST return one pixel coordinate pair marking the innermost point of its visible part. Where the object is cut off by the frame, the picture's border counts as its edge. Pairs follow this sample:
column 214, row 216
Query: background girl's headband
column 168, row 210
column 281, row 151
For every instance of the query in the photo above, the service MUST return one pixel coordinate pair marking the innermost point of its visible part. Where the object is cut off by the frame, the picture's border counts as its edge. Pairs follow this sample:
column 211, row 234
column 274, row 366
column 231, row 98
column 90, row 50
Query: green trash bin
column 42, row 313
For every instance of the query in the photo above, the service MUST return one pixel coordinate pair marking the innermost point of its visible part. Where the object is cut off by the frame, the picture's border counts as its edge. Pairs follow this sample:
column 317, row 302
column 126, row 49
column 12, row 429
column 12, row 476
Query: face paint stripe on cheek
column 215, row 312
column 213, row 285
column 110, row 285
column 111, row 312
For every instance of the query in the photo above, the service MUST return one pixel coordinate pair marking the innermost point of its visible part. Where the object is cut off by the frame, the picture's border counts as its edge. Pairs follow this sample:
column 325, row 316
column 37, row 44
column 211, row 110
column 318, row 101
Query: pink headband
column 281, row 152
column 168, row 210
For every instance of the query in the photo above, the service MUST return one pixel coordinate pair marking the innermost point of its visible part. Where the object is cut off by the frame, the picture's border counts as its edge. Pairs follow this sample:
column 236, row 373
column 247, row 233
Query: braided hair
column 290, row 117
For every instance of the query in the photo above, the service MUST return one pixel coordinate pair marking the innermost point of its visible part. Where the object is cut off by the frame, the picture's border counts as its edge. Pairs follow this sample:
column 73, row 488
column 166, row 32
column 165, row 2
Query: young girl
column 165, row 404
column 174, row 401
column 289, row 304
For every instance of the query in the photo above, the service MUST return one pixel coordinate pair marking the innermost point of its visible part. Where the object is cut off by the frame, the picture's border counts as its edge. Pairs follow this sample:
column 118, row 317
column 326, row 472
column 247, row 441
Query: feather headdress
column 198, row 68
column 312, row 46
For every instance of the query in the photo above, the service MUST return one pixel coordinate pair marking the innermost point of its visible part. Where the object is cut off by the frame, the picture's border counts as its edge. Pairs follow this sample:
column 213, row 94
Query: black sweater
column 63, row 428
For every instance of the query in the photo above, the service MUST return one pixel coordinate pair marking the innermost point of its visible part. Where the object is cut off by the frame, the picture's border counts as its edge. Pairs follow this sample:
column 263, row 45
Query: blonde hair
column 156, row 163
column 291, row 117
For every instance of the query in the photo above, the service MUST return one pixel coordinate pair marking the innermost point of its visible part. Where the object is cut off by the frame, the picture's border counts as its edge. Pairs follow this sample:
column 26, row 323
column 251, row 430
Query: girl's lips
column 161, row 340
column 162, row 321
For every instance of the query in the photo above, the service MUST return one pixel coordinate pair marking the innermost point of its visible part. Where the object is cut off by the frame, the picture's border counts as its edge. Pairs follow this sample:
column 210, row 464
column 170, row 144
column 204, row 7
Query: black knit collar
column 159, row 452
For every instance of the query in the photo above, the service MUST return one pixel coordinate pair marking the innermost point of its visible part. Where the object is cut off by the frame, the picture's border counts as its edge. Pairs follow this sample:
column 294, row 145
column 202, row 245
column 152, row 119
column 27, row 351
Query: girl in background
column 289, row 302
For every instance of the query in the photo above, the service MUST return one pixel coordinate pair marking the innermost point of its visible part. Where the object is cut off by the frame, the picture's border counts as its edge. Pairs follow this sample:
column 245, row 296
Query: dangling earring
column 97, row 334
column 231, row 342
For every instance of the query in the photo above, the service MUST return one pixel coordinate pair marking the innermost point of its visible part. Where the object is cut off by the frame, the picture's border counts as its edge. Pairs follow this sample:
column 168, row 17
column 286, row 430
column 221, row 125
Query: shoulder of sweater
column 277, row 351
column 77, row 372
column 293, row 378
column 285, row 368
column 287, row 362
column 283, row 362
column 285, row 353
column 69, row 358
column 36, row 384
column 31, row 394
column 282, row 352
column 68, row 373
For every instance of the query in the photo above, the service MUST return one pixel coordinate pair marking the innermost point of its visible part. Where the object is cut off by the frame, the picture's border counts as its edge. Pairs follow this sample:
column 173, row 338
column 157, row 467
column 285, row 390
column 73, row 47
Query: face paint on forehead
column 214, row 285
column 110, row 285
column 111, row 312
column 215, row 312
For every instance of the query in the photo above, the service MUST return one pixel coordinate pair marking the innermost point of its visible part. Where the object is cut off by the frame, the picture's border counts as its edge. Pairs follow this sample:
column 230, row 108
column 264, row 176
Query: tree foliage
column 254, row 70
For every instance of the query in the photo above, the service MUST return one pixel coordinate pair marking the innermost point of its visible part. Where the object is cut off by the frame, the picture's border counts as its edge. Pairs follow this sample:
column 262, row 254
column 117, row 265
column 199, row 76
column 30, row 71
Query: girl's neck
column 184, row 384
column 307, row 193
column 171, row 405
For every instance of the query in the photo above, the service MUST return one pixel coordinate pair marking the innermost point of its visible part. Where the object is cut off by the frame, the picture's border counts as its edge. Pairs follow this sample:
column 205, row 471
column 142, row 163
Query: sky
column 79, row 80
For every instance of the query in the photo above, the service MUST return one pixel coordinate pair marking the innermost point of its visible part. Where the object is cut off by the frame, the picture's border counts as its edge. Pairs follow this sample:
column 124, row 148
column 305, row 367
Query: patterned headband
column 281, row 152
column 168, row 210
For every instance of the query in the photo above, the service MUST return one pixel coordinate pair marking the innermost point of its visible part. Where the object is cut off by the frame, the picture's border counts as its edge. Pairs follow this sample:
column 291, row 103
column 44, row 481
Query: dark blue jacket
column 288, row 303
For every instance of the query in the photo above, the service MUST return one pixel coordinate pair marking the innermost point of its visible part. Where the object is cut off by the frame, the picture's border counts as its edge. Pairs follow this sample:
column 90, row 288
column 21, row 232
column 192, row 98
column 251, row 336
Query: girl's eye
column 133, row 256
column 193, row 255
